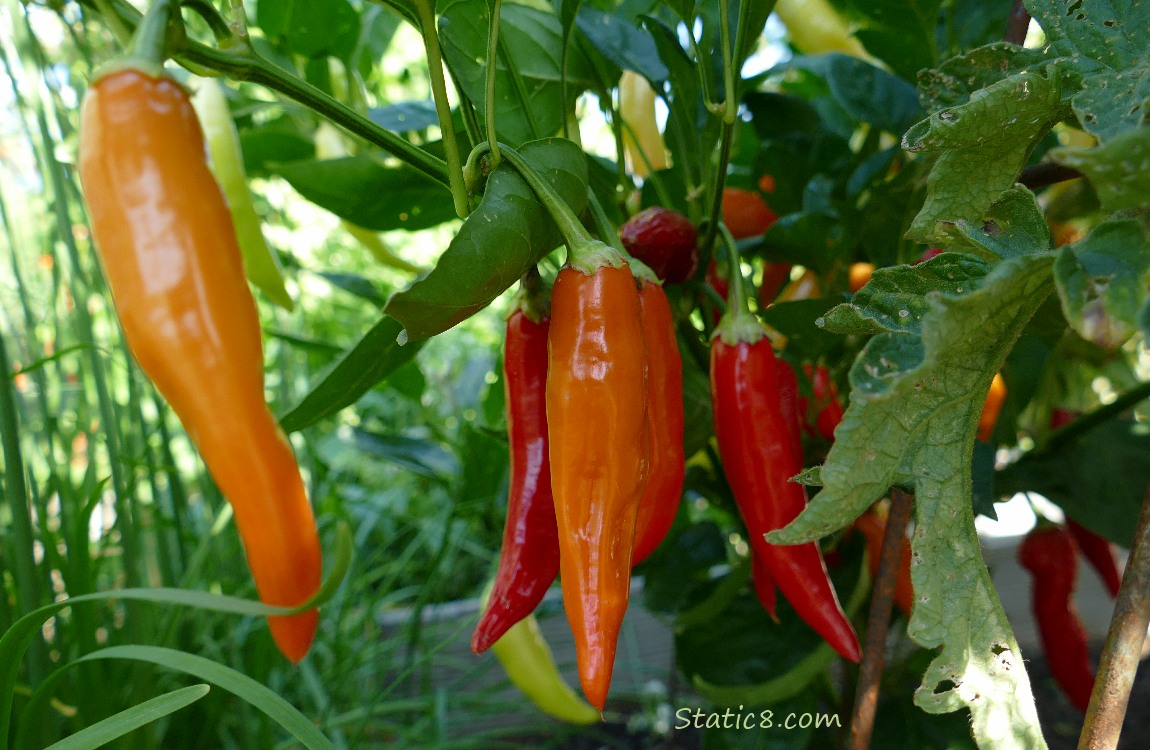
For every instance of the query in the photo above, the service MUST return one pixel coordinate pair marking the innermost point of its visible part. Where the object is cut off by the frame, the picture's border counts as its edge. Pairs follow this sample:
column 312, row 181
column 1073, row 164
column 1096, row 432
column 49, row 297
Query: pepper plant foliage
column 919, row 140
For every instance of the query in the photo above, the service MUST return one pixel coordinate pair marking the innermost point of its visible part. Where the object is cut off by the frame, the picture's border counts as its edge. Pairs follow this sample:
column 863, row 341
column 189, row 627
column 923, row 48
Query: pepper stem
column 492, row 64
column 737, row 324
column 151, row 39
column 533, row 297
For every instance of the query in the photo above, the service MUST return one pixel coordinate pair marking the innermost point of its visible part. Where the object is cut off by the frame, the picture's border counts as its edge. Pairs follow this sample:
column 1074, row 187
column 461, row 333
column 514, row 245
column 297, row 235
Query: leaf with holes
column 914, row 407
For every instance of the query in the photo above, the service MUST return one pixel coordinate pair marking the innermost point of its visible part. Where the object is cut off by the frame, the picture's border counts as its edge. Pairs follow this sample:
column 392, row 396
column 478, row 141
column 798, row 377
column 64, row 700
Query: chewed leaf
column 1102, row 282
column 912, row 418
column 1012, row 226
column 895, row 298
column 983, row 143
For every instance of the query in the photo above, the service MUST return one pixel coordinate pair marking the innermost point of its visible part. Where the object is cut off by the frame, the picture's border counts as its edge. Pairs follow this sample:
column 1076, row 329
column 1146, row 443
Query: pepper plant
column 832, row 147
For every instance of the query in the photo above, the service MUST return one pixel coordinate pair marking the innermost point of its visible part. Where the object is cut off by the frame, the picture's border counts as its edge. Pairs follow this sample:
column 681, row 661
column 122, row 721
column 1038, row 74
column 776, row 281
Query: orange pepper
column 991, row 408
column 597, row 428
column 171, row 258
column 745, row 213
column 859, row 275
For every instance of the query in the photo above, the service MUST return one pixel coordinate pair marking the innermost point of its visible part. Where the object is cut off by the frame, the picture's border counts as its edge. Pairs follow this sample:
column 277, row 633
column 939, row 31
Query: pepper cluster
column 594, row 400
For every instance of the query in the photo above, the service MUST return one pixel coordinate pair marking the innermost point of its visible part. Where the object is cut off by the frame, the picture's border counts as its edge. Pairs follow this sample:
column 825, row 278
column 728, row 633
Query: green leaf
column 808, row 238
column 983, row 145
column 1106, row 502
column 622, row 42
column 912, row 418
column 797, row 321
column 508, row 233
column 130, row 719
column 527, row 77
column 1114, row 33
column 404, row 117
column 901, row 33
column 953, row 82
column 1102, row 281
column 1013, row 225
column 369, row 193
column 369, row 361
column 867, row 93
column 422, row 456
column 240, row 685
column 1119, row 170
column 1111, row 103
column 316, row 28
column 897, row 298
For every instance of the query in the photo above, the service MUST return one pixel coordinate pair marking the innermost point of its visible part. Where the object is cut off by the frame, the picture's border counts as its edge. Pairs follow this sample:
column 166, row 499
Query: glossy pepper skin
column 170, row 256
column 758, row 456
column 1050, row 556
column 664, row 488
column 597, row 425
column 529, row 559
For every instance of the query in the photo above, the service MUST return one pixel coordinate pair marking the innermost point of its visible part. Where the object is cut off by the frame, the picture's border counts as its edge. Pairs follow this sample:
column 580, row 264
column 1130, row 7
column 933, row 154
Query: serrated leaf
column 361, row 367
column 984, row 144
column 527, row 83
column 507, row 234
column 1102, row 282
column 896, row 298
column 622, row 42
column 914, row 409
column 1013, row 225
column 1119, row 170
column 364, row 190
column 953, row 82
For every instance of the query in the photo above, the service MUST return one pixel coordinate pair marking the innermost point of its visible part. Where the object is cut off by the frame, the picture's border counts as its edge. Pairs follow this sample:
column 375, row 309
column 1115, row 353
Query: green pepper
column 527, row 659
column 261, row 265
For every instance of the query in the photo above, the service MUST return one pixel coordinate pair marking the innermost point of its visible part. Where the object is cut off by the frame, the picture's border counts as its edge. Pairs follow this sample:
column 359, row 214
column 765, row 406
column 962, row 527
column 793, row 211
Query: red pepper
column 1049, row 554
column 1099, row 552
column 529, row 560
column 764, row 586
column 757, row 445
column 775, row 277
column 827, row 407
column 660, row 500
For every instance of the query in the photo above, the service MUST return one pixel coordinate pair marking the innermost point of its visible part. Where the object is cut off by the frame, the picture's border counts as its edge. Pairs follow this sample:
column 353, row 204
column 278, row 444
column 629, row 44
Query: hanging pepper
column 825, row 404
column 745, row 213
column 757, row 442
column 529, row 560
column 527, row 659
column 664, row 422
column 642, row 140
column 597, row 426
column 991, row 408
column 1049, row 554
column 170, row 256
column 775, row 277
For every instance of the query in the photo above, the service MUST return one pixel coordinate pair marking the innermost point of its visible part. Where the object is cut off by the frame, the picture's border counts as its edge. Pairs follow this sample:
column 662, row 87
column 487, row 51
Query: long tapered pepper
column 529, row 560
column 1049, row 554
column 597, row 426
column 665, row 422
column 169, row 252
column 757, row 431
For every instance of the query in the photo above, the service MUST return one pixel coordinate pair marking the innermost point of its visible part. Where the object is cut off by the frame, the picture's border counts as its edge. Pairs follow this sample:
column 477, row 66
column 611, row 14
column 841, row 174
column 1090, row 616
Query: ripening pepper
column 757, row 429
column 530, row 666
column 664, row 488
column 825, row 406
column 529, row 558
column 169, row 252
column 642, row 141
column 991, row 408
column 597, row 427
column 1048, row 552
column 745, row 213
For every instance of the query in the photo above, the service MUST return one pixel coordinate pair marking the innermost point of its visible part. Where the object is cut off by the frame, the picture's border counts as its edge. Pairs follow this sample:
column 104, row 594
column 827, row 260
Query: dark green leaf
column 952, row 83
column 405, row 117
column 901, row 33
column 810, row 239
column 527, row 79
column 1119, row 170
column 1105, row 501
column 796, row 321
column 622, row 42
column 313, row 29
column 353, row 284
column 866, row 92
column 273, row 143
column 420, row 455
column 372, row 359
column 507, row 234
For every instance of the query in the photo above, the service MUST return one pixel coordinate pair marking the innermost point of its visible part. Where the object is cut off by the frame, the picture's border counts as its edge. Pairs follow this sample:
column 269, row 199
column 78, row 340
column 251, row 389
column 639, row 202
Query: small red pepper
column 1050, row 556
column 1099, row 552
column 529, row 559
column 826, row 407
column 660, row 500
column 775, row 277
column 757, row 445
